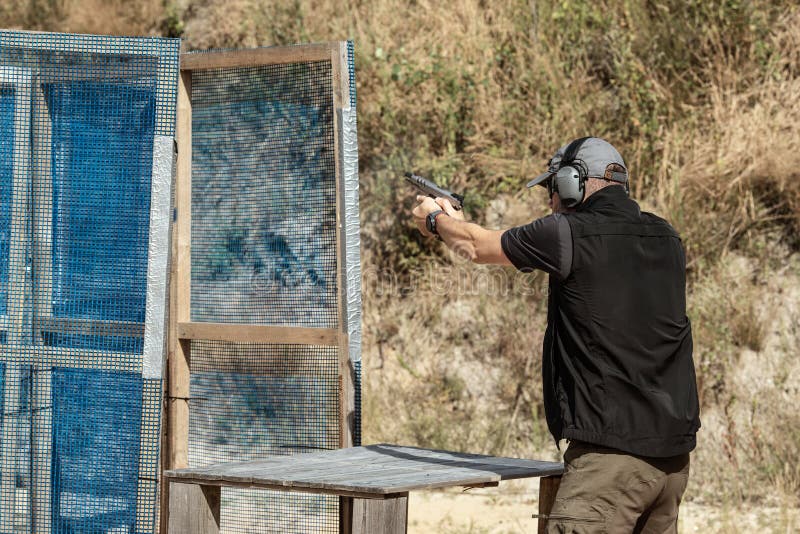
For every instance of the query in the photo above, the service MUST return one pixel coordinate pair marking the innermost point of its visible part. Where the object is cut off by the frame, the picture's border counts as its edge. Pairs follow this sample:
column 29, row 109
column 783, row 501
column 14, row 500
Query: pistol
column 426, row 187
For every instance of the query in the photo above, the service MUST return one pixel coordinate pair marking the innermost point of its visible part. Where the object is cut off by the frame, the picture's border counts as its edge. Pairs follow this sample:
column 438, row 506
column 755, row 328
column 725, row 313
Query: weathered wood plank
column 249, row 333
column 346, row 370
column 282, row 487
column 379, row 516
column 274, row 55
column 193, row 509
column 47, row 357
column 377, row 469
column 381, row 455
column 175, row 437
column 548, row 488
column 345, row 515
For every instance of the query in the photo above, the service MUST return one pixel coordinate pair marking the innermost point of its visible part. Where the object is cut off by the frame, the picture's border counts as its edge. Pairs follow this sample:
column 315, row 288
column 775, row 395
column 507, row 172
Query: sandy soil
column 508, row 509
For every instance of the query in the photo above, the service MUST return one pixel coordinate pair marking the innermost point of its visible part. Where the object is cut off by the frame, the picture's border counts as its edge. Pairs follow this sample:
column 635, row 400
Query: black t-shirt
column 544, row 244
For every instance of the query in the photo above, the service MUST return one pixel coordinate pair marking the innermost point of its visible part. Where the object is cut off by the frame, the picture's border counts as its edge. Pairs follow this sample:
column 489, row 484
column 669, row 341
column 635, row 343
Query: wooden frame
column 181, row 329
column 250, row 333
column 276, row 55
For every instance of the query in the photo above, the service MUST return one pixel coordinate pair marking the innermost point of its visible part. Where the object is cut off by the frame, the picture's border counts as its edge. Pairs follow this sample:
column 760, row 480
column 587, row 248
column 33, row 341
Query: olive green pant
column 607, row 491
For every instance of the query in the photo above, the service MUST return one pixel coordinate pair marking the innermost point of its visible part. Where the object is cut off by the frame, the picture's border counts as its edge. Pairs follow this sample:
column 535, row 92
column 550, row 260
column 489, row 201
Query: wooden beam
column 274, row 55
column 374, row 516
column 341, row 98
column 193, row 509
column 42, row 450
column 42, row 212
column 279, row 487
column 249, row 333
column 88, row 327
column 48, row 357
column 94, row 44
column 175, row 442
column 548, row 488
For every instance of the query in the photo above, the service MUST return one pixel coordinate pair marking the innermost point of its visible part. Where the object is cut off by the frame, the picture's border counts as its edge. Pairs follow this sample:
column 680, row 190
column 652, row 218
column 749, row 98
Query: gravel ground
column 508, row 509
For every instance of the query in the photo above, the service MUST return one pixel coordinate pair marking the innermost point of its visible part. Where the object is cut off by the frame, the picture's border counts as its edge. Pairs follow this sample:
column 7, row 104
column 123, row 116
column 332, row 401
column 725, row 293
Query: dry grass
column 113, row 17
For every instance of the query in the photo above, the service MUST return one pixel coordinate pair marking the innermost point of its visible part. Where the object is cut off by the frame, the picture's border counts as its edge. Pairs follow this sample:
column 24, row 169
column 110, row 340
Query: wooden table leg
column 548, row 487
column 193, row 509
column 374, row 516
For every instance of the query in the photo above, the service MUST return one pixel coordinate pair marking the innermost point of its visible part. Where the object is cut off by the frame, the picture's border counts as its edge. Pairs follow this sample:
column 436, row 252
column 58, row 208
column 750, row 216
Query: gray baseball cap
column 598, row 155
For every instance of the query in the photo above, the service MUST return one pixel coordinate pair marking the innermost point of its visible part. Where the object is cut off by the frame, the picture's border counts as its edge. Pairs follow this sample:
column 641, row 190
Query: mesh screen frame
column 337, row 332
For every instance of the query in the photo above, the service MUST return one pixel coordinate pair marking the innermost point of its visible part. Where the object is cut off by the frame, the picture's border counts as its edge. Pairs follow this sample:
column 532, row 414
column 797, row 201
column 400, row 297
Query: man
column 618, row 374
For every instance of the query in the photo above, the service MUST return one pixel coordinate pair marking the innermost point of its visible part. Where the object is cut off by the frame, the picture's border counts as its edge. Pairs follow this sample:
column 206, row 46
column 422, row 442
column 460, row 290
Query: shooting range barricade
column 252, row 298
column 87, row 129
column 264, row 330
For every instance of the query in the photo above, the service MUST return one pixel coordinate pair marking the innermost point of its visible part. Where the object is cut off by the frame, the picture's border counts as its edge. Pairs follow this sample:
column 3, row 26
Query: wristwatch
column 430, row 222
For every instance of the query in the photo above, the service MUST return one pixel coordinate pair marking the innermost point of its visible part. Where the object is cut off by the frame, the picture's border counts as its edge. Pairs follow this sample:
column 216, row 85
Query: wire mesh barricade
column 86, row 148
column 267, row 325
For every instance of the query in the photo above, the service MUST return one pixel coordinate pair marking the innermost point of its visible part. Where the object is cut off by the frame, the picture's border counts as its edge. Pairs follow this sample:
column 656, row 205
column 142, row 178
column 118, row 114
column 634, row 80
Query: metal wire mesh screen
column 80, row 119
column 264, row 229
column 254, row 400
column 264, row 195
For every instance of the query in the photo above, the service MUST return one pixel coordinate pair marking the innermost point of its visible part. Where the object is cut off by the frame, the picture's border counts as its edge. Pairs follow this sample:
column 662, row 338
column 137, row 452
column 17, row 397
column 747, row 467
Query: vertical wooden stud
column 548, row 488
column 193, row 509
column 341, row 98
column 175, row 452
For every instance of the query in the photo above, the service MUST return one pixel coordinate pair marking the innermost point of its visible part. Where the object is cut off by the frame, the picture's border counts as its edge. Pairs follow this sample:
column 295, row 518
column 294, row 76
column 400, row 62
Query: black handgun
column 429, row 188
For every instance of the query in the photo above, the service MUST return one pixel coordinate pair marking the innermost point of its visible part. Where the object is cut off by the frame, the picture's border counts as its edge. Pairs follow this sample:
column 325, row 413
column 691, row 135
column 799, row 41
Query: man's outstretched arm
column 469, row 240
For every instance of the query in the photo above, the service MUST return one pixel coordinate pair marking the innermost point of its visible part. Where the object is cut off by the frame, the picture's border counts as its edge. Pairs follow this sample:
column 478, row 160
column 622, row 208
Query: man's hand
column 448, row 208
column 420, row 212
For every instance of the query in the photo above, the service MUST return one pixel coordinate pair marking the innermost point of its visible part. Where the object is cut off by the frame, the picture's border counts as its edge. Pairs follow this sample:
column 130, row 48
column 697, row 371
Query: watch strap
column 430, row 221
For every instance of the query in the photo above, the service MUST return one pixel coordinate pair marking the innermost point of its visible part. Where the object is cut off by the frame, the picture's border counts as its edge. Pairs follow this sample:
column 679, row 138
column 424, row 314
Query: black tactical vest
column 618, row 368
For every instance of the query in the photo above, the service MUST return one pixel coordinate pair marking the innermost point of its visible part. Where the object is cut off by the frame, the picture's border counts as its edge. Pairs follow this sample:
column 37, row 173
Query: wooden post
column 341, row 96
column 374, row 516
column 193, row 509
column 548, row 488
column 176, row 428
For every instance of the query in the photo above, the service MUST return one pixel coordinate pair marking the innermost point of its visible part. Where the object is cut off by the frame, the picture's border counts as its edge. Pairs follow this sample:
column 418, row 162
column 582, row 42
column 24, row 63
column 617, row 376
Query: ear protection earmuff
column 570, row 179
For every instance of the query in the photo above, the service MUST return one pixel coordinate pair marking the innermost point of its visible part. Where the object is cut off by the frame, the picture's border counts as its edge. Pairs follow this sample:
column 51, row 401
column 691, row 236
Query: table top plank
column 375, row 469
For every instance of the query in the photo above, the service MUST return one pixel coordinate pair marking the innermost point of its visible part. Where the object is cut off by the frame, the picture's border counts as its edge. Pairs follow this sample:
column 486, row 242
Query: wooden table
column 372, row 483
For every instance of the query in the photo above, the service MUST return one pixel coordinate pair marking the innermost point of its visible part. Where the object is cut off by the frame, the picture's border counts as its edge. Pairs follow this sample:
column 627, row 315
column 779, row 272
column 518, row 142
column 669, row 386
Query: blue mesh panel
column 96, row 435
column 6, row 178
column 99, row 243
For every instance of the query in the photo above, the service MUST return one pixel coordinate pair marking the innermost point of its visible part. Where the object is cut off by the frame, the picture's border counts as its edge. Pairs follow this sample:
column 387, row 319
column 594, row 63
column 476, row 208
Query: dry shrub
column 112, row 17
column 732, row 178
column 453, row 359
column 749, row 446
